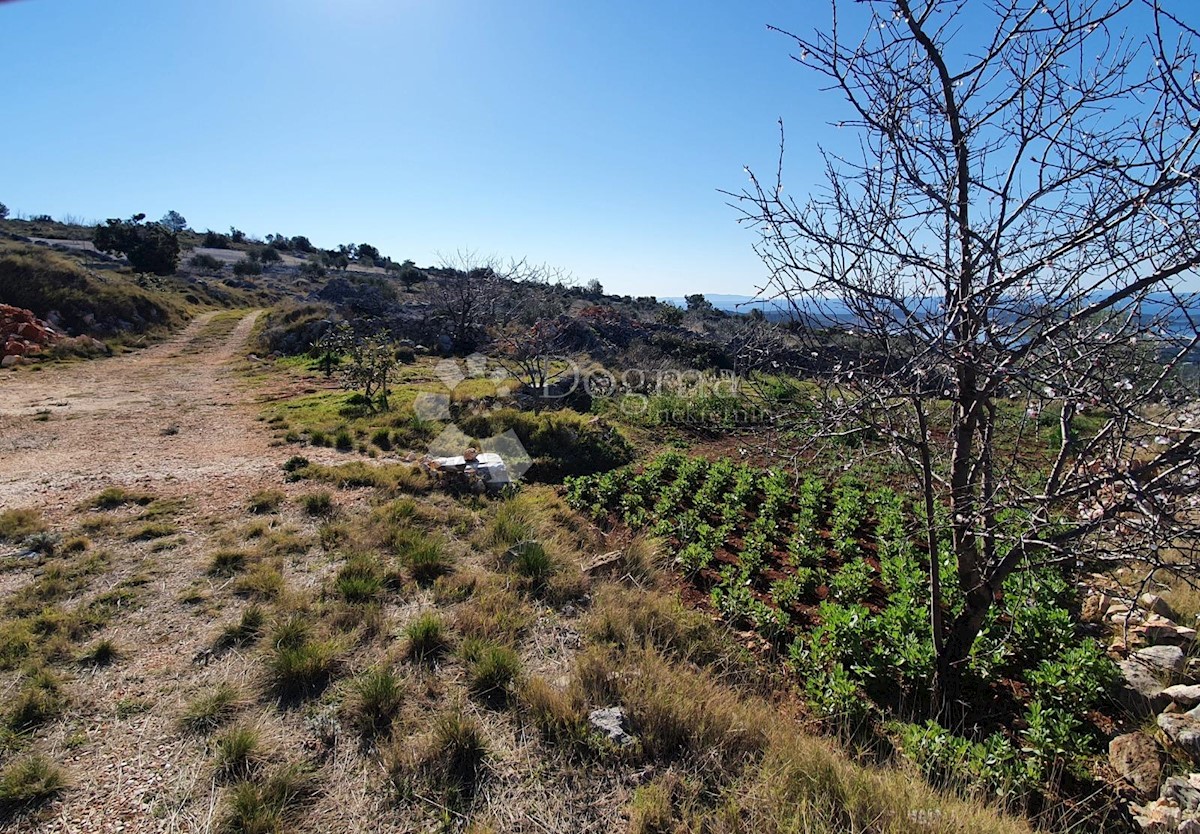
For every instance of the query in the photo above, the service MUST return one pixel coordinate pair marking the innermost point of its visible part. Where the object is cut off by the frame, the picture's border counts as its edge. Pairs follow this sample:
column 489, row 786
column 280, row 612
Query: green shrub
column 343, row 441
column 205, row 262
column 247, row 268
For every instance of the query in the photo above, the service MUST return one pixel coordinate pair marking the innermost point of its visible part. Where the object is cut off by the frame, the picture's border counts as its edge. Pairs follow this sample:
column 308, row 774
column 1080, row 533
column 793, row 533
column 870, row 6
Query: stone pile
column 23, row 336
column 1161, row 681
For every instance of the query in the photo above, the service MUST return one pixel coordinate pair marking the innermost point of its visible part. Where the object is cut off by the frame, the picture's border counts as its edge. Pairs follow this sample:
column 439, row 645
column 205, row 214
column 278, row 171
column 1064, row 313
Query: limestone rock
column 1158, row 817
column 1182, row 793
column 1156, row 605
column 1191, row 826
column 610, row 722
column 1187, row 696
column 1137, row 759
column 1183, row 731
column 1095, row 607
column 1166, row 661
column 1140, row 693
column 1160, row 631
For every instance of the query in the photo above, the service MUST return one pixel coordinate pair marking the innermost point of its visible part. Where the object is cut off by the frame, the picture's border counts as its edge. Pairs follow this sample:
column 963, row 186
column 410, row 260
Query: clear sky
column 592, row 136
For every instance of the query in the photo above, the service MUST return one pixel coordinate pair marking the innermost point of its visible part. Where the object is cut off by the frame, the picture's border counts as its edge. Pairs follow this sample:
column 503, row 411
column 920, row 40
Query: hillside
column 255, row 577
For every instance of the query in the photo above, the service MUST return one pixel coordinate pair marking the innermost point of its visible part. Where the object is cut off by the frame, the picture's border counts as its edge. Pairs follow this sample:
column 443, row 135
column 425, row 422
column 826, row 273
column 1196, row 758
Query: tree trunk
column 960, row 638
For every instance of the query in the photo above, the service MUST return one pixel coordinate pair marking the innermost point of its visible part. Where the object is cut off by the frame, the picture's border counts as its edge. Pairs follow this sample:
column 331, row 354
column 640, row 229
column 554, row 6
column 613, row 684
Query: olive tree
column 990, row 279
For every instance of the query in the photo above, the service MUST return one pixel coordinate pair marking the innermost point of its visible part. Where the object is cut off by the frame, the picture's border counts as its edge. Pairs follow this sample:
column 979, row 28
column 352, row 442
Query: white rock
column 1162, row 660
column 1156, row 604
column 1187, row 696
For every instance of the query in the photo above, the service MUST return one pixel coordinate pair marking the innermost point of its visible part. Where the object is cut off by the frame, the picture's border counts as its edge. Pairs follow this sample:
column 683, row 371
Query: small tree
column 328, row 349
column 410, row 275
column 3, row 212
column 533, row 355
column 150, row 247
column 999, row 258
column 174, row 221
column 698, row 304
column 372, row 361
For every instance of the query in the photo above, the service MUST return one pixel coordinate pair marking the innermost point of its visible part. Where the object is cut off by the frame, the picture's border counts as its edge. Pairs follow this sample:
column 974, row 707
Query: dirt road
column 170, row 413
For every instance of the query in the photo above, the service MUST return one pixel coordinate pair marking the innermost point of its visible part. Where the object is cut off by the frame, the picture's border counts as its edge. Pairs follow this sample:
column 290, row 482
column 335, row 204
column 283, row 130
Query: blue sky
column 592, row 136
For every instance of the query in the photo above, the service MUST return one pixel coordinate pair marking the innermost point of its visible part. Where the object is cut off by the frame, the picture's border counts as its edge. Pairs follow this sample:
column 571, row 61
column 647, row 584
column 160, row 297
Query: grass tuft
column 101, row 653
column 427, row 639
column 29, row 781
column 270, row 806
column 16, row 525
column 114, row 497
column 227, row 563
column 236, row 751
column 267, row 501
column 212, row 709
column 248, row 629
column 318, row 504
column 491, row 669
column 377, row 695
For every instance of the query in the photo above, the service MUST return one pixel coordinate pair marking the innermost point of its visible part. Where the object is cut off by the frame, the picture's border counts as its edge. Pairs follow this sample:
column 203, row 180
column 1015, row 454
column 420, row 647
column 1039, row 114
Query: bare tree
column 534, row 354
column 998, row 257
column 472, row 293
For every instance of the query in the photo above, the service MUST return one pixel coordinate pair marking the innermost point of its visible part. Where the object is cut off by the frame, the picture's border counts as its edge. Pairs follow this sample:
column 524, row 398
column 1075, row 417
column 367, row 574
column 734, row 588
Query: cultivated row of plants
column 834, row 579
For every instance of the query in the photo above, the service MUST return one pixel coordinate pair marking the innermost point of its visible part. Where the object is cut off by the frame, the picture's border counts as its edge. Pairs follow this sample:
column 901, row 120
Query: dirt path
column 173, row 412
